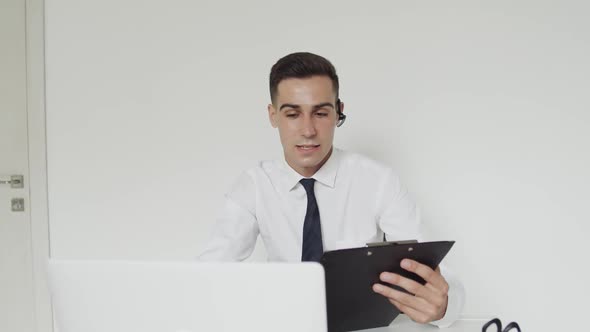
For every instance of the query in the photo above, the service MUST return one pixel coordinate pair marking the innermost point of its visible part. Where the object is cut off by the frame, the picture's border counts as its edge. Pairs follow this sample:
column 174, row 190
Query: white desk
column 405, row 324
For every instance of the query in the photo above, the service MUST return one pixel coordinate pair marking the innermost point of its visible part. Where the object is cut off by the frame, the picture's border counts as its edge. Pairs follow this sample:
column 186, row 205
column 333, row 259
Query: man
column 320, row 198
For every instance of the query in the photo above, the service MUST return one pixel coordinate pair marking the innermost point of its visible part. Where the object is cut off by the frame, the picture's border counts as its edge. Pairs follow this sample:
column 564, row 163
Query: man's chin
column 308, row 163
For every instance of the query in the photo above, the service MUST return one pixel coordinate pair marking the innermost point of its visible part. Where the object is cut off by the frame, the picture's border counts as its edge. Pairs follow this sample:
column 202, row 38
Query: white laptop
column 143, row 296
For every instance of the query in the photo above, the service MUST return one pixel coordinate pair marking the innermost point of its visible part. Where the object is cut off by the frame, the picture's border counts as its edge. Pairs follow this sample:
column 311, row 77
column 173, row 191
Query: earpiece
column 341, row 116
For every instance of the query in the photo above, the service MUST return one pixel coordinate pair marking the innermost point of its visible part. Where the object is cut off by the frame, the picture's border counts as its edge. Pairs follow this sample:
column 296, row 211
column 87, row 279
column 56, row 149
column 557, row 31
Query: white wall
column 154, row 107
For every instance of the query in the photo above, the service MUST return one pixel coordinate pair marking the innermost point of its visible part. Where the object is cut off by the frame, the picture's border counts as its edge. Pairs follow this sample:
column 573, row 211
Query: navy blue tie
column 312, row 231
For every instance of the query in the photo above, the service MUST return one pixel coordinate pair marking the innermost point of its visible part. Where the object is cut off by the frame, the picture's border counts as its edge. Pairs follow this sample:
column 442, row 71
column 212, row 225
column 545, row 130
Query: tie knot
column 308, row 185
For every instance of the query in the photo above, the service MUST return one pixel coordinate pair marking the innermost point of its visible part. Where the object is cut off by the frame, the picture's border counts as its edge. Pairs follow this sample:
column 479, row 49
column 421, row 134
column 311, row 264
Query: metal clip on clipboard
column 390, row 243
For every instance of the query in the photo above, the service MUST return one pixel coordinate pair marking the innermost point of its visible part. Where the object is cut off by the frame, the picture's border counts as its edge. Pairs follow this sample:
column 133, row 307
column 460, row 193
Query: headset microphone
column 341, row 116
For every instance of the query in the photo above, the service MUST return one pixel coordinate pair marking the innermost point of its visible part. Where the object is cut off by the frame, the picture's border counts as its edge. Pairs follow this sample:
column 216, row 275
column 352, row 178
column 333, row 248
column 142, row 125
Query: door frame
column 38, row 200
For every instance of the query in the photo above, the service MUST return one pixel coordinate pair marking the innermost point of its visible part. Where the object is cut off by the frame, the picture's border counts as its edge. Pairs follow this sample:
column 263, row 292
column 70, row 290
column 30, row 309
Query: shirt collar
column 326, row 175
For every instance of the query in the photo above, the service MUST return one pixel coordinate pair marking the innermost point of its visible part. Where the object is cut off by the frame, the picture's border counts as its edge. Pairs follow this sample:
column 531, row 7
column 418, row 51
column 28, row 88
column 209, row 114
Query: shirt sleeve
column 399, row 219
column 236, row 229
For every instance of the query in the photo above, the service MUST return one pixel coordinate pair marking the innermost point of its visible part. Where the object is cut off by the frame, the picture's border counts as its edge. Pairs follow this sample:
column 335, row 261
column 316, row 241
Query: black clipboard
column 351, row 273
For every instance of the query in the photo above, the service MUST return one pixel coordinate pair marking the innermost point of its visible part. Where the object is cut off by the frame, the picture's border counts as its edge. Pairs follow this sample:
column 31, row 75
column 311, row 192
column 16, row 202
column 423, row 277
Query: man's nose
column 308, row 127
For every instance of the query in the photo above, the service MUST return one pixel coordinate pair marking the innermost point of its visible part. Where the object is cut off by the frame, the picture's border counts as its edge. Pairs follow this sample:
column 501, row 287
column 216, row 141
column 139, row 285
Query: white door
column 17, row 303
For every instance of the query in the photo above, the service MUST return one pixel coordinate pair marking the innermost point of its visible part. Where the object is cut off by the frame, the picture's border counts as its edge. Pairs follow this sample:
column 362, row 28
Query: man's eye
column 322, row 114
column 292, row 115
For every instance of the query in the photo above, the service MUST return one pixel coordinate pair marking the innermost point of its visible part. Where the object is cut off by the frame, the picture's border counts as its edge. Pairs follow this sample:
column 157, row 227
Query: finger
column 401, row 297
column 428, row 274
column 424, row 315
column 397, row 305
column 429, row 310
column 428, row 293
column 415, row 315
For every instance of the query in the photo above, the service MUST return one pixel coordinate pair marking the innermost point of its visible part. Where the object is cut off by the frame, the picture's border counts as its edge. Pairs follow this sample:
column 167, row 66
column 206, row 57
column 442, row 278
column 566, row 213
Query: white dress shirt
column 359, row 200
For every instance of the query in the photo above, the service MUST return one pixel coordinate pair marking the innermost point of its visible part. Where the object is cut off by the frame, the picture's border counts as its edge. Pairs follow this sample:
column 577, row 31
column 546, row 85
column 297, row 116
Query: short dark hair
column 301, row 65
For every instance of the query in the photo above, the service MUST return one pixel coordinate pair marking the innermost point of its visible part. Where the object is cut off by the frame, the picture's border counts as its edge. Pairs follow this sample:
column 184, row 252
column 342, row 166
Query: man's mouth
column 307, row 147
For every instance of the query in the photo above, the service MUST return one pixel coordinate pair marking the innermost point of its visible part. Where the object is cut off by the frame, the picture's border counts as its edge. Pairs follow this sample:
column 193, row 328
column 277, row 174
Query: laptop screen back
column 124, row 296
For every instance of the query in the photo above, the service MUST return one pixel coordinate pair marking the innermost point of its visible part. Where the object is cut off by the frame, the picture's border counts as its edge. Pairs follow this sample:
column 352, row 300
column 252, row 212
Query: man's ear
column 272, row 115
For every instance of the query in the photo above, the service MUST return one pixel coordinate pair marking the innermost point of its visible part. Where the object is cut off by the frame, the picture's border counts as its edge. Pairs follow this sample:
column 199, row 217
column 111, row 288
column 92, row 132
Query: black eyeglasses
column 498, row 324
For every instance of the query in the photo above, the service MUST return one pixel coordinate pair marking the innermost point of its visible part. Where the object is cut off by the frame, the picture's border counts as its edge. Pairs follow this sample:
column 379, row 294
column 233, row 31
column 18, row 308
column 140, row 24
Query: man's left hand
column 429, row 302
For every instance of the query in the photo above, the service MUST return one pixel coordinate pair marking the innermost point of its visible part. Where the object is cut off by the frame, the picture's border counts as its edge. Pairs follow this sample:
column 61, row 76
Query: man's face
column 304, row 110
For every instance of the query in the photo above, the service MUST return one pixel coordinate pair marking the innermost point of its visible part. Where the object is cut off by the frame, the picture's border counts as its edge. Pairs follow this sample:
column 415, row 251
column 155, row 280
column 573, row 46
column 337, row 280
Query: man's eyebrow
column 315, row 107
column 289, row 106
column 322, row 105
